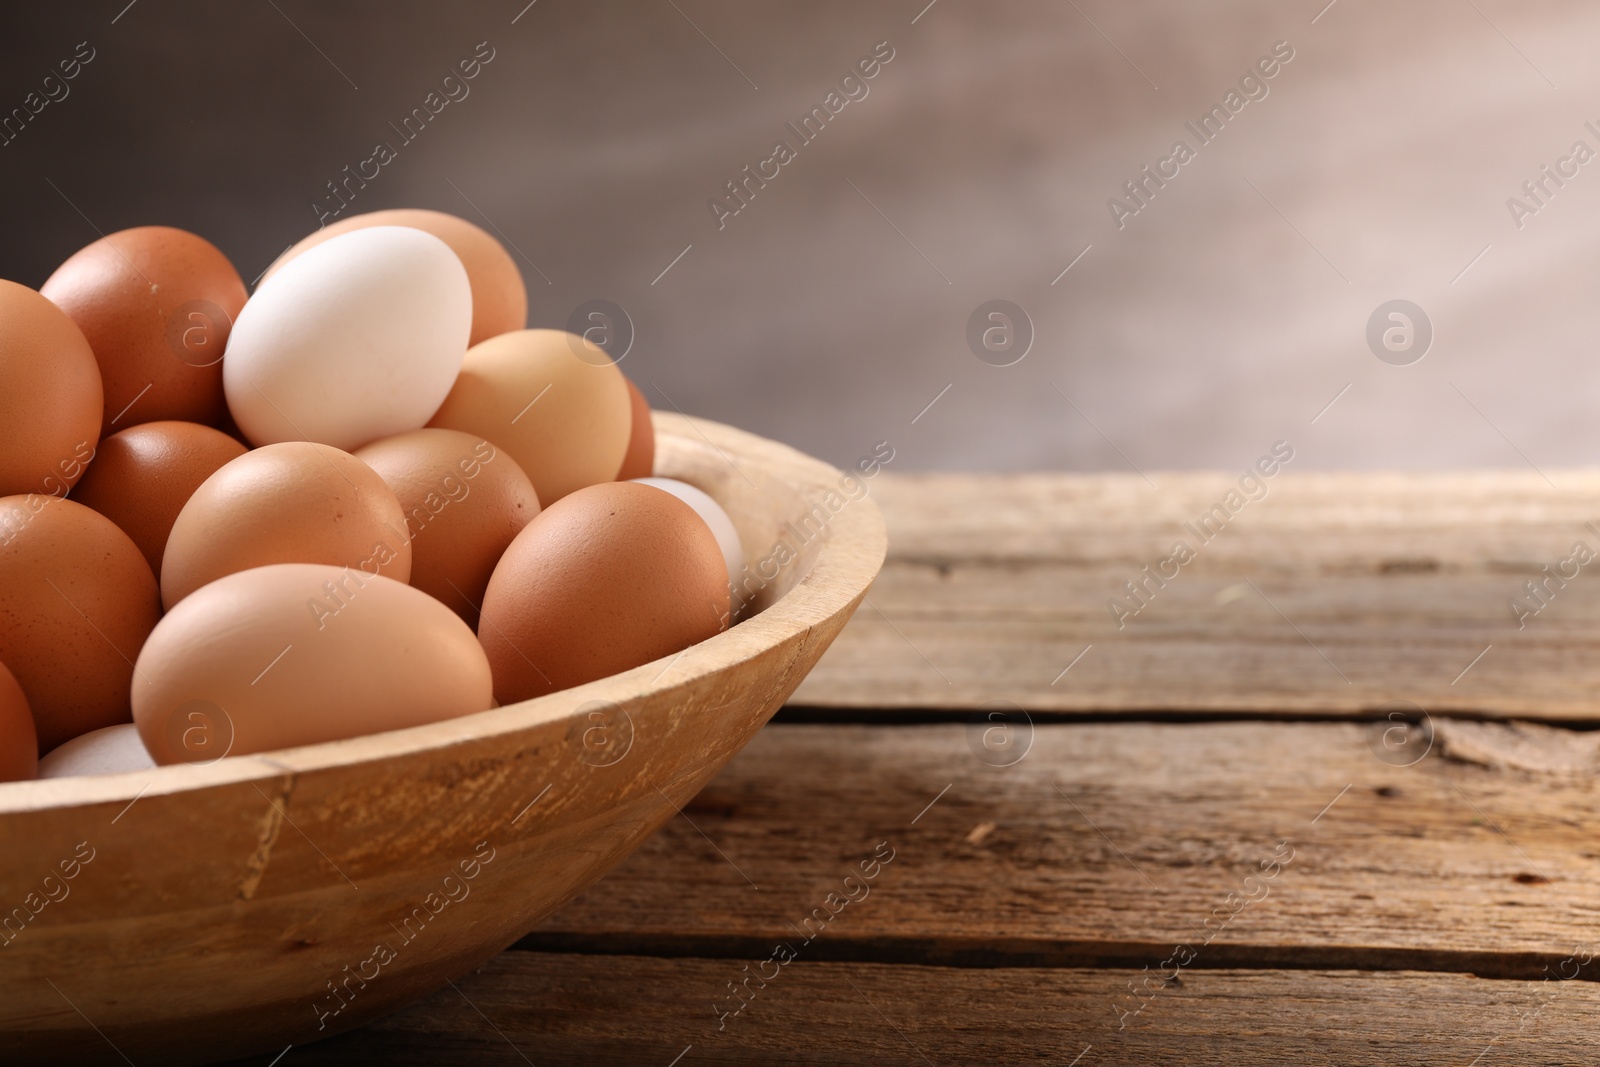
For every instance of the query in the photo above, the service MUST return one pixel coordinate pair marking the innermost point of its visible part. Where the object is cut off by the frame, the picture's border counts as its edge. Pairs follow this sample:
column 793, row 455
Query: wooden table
column 1319, row 801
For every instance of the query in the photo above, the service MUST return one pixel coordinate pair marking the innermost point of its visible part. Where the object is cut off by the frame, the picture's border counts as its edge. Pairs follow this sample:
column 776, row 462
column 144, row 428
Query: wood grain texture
column 1110, row 844
column 529, row 1007
column 1332, row 595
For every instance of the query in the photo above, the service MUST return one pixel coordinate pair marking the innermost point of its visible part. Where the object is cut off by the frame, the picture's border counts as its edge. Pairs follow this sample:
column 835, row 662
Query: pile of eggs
column 362, row 498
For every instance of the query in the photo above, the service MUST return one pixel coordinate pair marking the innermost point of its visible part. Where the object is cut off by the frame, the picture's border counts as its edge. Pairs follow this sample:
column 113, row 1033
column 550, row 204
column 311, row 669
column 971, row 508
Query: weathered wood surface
column 527, row 1007
column 1332, row 595
column 1112, row 843
column 1439, row 870
column 1413, row 923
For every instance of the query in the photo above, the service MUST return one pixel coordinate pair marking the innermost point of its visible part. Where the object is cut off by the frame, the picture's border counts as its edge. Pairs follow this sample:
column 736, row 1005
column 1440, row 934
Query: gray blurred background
column 831, row 310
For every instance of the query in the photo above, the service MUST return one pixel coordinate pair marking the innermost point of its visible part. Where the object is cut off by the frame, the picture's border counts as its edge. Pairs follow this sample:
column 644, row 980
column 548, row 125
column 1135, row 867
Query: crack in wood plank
column 1522, row 746
column 267, row 831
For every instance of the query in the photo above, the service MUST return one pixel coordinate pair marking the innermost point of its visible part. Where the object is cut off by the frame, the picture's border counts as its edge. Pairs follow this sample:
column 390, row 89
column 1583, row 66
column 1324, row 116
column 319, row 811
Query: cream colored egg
column 553, row 401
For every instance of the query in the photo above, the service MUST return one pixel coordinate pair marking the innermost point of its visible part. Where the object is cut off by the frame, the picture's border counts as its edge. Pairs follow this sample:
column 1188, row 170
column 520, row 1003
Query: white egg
column 358, row 338
column 711, row 511
column 108, row 750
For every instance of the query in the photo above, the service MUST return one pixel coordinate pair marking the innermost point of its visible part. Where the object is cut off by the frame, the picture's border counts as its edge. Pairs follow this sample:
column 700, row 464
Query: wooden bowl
column 196, row 913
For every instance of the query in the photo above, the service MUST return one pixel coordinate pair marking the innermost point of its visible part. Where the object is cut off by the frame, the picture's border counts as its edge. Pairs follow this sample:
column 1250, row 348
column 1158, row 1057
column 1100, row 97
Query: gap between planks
column 1109, row 844
column 1020, row 953
column 553, row 1009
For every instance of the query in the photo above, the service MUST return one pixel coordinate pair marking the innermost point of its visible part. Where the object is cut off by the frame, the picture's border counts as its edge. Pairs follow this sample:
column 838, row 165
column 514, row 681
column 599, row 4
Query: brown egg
column 499, row 299
column 77, row 601
column 552, row 400
column 292, row 502
column 50, row 395
column 243, row 666
column 156, row 305
column 19, row 740
column 603, row 580
column 142, row 476
column 640, row 461
column 464, row 501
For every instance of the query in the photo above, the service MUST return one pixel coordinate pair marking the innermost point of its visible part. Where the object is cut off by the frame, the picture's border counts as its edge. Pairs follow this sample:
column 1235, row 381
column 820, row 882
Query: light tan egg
column 552, row 400
column 298, row 653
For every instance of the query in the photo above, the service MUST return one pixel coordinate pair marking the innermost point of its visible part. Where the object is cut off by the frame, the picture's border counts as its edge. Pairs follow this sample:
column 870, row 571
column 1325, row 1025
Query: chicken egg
column 142, row 476
column 77, row 601
column 640, row 459
column 711, row 512
column 50, row 395
column 108, row 750
column 294, row 502
column 19, row 740
column 552, row 400
column 464, row 500
column 299, row 653
column 499, row 298
column 358, row 338
column 156, row 305
column 605, row 579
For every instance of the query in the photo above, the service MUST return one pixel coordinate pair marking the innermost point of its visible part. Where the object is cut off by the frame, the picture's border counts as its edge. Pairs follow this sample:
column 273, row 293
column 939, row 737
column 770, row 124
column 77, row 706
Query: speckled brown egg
column 77, row 601
column 605, row 579
column 640, row 460
column 292, row 502
column 50, row 395
column 499, row 299
column 19, row 740
column 156, row 305
column 142, row 476
column 464, row 501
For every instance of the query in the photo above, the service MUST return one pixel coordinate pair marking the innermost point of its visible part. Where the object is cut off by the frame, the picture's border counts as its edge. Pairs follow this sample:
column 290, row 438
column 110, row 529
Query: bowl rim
column 852, row 550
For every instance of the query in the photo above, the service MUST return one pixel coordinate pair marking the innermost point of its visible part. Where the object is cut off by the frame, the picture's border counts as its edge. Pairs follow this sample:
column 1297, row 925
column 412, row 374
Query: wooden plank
column 1332, row 595
column 1111, row 843
column 527, row 1007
